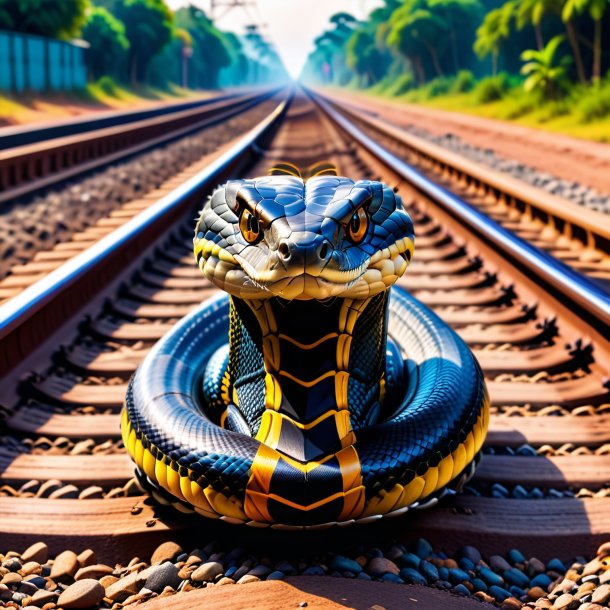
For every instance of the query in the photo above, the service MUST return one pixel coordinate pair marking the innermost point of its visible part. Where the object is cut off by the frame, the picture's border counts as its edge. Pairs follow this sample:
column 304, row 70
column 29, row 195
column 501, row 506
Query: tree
column 596, row 10
column 108, row 45
column 494, row 32
column 148, row 25
column 414, row 26
column 210, row 52
column 363, row 57
column 531, row 12
column 43, row 17
column 458, row 15
column 545, row 72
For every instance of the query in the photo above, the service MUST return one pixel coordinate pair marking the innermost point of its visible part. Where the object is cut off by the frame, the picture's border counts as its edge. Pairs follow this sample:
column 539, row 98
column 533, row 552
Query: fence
column 35, row 63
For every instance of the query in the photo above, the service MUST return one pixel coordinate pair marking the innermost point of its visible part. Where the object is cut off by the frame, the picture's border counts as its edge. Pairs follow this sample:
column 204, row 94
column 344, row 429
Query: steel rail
column 33, row 167
column 594, row 224
column 26, row 319
column 566, row 281
column 20, row 135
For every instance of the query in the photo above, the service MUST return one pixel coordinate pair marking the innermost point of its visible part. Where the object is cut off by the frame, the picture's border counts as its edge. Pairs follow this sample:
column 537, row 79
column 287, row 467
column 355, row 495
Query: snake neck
column 306, row 374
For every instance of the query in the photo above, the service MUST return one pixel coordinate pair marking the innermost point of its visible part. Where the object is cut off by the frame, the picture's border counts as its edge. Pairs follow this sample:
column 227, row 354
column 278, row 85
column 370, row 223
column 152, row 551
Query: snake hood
column 283, row 236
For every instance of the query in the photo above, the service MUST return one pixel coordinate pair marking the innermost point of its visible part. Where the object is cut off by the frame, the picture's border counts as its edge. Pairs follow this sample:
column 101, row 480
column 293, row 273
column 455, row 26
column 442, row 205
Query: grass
column 584, row 113
column 104, row 94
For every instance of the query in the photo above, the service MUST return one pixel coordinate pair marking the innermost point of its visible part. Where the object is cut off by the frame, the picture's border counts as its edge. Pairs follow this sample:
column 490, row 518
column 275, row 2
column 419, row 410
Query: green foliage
column 148, row 25
column 107, row 85
column 51, row 18
column 492, row 88
column 594, row 103
column 401, row 85
column 210, row 52
column 463, row 82
column 546, row 73
column 108, row 44
column 439, row 86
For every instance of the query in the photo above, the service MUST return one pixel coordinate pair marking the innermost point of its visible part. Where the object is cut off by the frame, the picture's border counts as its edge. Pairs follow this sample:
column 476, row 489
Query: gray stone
column 161, row 576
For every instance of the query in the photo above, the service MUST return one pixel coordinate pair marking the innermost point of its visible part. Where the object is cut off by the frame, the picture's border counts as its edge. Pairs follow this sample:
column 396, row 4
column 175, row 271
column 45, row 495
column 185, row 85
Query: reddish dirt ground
column 569, row 158
column 318, row 593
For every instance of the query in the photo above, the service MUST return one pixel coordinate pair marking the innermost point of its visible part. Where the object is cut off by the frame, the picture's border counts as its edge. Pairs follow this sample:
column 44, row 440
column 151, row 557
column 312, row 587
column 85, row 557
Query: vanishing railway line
column 70, row 342
column 578, row 236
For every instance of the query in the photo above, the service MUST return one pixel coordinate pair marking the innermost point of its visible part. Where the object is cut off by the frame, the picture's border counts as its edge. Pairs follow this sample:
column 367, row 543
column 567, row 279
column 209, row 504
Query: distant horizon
column 292, row 25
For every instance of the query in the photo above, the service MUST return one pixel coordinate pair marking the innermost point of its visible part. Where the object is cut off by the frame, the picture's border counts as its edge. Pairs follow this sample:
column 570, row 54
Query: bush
column 401, row 85
column 107, row 85
column 492, row 89
column 595, row 102
column 463, row 82
column 439, row 86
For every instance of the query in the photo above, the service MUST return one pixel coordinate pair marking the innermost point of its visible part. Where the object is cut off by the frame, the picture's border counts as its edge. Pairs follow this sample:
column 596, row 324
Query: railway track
column 576, row 235
column 29, row 165
column 70, row 342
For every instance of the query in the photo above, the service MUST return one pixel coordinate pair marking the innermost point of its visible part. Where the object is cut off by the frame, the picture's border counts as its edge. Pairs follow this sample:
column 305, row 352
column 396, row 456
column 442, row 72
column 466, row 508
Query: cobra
column 312, row 393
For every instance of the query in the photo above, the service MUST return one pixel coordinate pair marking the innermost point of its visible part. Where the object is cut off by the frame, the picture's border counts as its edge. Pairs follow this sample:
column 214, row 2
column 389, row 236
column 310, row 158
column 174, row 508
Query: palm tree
column 494, row 32
column 544, row 71
column 596, row 10
column 531, row 12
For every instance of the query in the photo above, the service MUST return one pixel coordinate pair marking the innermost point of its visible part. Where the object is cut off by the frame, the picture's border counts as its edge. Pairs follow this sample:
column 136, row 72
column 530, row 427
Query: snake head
column 278, row 236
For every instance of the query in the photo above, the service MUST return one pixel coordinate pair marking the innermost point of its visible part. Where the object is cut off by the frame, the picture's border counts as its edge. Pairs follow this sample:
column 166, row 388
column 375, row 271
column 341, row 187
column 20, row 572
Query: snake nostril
column 324, row 251
column 284, row 251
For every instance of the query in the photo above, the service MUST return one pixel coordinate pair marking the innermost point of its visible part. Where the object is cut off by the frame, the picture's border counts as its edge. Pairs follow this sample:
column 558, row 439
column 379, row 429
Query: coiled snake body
column 335, row 399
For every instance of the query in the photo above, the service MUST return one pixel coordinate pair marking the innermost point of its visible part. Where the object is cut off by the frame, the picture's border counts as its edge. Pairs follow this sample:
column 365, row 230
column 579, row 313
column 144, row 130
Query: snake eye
column 250, row 227
column 358, row 225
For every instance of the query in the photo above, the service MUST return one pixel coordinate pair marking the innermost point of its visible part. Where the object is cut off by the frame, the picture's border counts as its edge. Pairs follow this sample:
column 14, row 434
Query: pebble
column 381, row 565
column 276, row 575
column 96, row 571
column 541, row 580
column 429, row 570
column 38, row 552
column 456, row 575
column 516, row 577
column 207, row 572
column 82, row 594
column 168, row 551
column 41, row 597
column 556, row 565
column 412, row 576
column 511, row 603
column 536, row 592
column 161, row 576
column 423, row 548
column 601, row 595
column 515, row 556
column 499, row 564
column 461, row 590
column 470, row 553
column 260, row 570
column 565, row 602
column 341, row 563
column 499, row 593
column 410, row 560
column 65, row 566
column 247, row 578
column 491, row 578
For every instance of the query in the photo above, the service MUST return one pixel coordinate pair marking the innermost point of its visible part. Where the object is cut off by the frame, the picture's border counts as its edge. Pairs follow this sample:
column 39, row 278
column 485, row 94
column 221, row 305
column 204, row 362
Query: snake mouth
column 242, row 277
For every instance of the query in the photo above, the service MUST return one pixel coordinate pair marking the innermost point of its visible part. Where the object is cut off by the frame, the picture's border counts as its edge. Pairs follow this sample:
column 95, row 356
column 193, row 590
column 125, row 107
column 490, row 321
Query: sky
column 291, row 25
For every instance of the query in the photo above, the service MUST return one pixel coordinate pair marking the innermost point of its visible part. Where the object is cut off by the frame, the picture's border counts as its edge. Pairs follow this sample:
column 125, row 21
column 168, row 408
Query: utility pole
column 228, row 6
